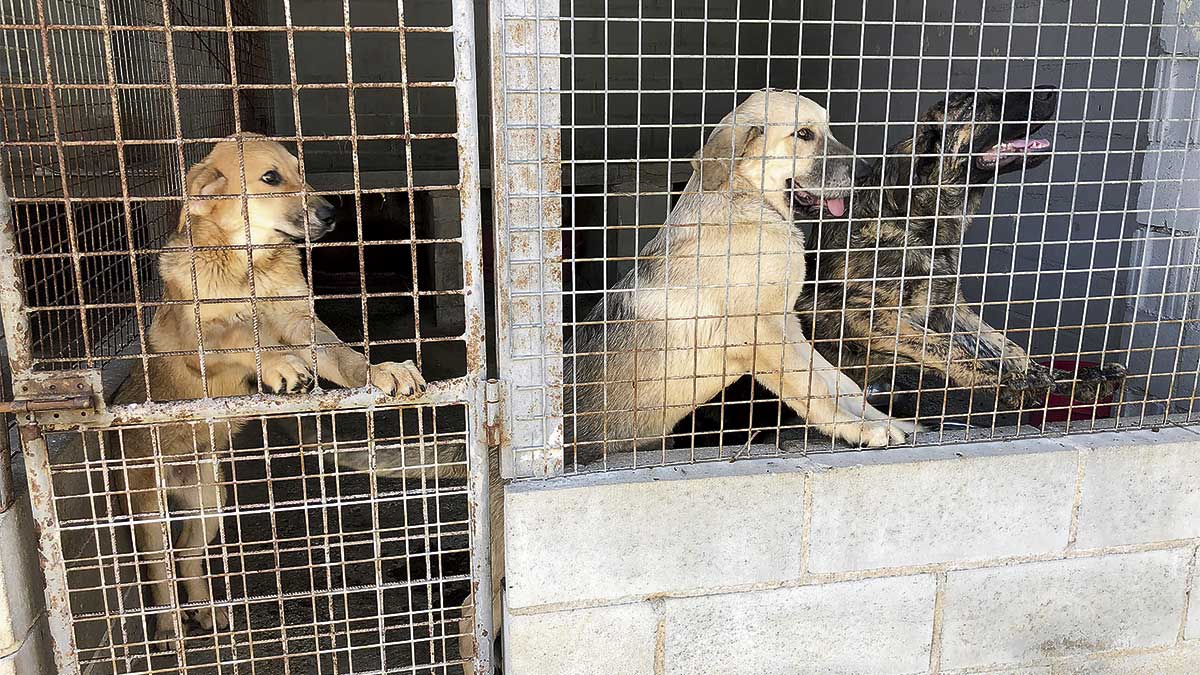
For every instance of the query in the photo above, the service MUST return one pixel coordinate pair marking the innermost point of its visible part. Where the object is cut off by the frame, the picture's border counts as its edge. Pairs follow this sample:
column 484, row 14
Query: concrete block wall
column 1051, row 557
column 1162, row 282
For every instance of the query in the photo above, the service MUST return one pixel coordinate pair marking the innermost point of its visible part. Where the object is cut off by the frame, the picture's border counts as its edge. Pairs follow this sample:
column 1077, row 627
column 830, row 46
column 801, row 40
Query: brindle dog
column 886, row 287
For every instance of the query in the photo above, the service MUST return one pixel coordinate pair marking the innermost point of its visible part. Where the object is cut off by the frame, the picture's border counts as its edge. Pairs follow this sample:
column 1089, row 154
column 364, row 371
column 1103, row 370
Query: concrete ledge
column 1066, row 556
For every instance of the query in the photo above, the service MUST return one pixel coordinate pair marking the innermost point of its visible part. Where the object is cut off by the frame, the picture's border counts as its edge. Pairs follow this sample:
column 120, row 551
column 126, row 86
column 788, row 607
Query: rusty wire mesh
column 324, row 563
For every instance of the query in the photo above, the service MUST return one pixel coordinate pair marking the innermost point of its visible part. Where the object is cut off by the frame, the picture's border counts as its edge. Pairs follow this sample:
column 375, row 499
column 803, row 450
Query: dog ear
column 714, row 161
column 203, row 179
column 927, row 148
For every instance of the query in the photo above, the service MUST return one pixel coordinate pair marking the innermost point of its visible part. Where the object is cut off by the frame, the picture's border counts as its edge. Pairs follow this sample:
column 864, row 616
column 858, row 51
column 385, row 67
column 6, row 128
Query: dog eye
column 805, row 134
column 272, row 178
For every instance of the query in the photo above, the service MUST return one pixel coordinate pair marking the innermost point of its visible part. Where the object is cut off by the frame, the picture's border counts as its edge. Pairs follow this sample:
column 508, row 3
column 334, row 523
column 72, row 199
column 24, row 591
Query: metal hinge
column 54, row 398
column 493, row 404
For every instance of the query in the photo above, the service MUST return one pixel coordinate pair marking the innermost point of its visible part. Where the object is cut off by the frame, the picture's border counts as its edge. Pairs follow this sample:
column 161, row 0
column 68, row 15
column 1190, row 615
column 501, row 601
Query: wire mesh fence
column 1010, row 252
column 326, row 561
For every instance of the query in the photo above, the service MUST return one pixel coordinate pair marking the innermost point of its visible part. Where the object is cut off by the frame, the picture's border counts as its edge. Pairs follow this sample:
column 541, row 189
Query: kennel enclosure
column 330, row 564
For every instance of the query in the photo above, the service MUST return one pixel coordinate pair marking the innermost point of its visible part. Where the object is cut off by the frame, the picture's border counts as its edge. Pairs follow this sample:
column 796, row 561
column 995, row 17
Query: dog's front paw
column 1018, row 388
column 209, row 617
column 872, row 434
column 397, row 378
column 1091, row 384
column 163, row 632
column 286, row 374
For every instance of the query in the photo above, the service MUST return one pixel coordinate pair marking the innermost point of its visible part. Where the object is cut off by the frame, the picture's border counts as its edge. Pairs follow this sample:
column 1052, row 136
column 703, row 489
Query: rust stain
column 518, row 34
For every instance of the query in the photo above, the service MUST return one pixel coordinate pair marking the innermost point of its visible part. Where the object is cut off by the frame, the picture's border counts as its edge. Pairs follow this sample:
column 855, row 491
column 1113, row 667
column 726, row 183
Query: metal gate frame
column 527, row 151
column 41, row 404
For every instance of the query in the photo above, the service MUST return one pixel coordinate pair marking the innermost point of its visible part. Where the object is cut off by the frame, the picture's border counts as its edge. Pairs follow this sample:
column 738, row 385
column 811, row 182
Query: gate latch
column 56, row 398
column 494, row 413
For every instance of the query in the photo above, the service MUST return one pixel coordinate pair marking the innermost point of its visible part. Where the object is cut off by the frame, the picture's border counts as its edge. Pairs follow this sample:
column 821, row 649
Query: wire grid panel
column 124, row 191
column 328, row 559
column 1011, row 252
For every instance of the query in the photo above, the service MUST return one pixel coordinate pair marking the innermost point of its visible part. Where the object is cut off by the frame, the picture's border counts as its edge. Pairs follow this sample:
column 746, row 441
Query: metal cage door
column 327, row 559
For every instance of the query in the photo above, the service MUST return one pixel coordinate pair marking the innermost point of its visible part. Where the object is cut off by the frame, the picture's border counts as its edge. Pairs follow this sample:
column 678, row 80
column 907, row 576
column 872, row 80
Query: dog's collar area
column 1007, row 151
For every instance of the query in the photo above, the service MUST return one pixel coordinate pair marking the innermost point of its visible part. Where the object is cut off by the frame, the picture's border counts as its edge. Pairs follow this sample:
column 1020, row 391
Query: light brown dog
column 180, row 463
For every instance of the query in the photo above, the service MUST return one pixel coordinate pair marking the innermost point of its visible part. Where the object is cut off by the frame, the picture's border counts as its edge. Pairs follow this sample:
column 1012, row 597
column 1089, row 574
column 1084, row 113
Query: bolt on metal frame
column 325, row 562
column 1090, row 258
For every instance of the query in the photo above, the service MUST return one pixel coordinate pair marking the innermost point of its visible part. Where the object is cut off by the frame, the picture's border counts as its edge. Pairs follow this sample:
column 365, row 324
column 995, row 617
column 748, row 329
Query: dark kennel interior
column 1083, row 258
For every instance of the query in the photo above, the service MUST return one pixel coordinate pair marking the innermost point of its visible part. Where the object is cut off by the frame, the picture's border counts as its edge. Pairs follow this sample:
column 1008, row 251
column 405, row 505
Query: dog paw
column 1018, row 388
column 1091, row 384
column 397, row 378
column 208, row 618
column 872, row 434
column 908, row 427
column 163, row 632
column 286, row 374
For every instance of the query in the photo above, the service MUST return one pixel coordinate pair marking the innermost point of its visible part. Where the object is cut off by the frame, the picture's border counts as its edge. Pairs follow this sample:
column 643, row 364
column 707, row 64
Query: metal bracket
column 494, row 413
column 61, row 398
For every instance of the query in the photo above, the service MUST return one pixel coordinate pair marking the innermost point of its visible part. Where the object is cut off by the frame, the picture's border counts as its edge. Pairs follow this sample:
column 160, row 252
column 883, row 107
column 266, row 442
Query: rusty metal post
column 473, row 299
column 37, row 455
column 16, row 332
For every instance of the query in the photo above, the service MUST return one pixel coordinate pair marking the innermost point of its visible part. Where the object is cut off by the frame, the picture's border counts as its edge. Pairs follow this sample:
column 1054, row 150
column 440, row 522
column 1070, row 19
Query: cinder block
column 1167, row 196
column 929, row 512
column 1141, row 494
column 1180, row 33
column 873, row 627
column 616, row 640
column 606, row 541
column 1171, row 120
column 1165, row 266
column 1176, row 661
column 1019, row 613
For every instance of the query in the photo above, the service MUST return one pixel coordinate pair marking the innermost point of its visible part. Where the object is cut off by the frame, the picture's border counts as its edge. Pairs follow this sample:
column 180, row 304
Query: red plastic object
column 1060, row 408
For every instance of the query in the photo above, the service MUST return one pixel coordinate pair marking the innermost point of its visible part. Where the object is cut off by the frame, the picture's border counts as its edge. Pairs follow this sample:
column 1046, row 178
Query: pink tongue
column 836, row 206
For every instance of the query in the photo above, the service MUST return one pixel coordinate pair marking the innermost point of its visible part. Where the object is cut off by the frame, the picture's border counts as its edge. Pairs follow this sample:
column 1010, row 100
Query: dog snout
column 325, row 213
column 842, row 164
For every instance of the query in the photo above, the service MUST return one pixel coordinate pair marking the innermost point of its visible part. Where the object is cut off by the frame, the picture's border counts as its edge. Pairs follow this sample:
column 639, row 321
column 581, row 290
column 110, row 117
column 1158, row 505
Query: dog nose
column 326, row 213
column 1045, row 92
